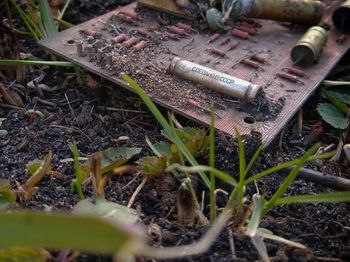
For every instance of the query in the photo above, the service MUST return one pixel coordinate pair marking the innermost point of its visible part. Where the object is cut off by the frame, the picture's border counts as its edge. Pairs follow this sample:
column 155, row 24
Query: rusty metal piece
column 213, row 79
column 139, row 46
column 341, row 17
column 296, row 11
column 132, row 41
column 217, row 51
column 290, row 77
column 308, row 49
column 240, row 34
column 120, row 38
column 213, row 38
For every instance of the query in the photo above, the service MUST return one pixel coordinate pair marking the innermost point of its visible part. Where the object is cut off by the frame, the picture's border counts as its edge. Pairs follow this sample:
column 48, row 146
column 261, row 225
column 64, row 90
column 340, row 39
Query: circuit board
column 150, row 43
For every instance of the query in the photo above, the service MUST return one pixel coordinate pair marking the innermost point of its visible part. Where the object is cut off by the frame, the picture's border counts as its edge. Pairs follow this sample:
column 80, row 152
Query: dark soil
column 82, row 113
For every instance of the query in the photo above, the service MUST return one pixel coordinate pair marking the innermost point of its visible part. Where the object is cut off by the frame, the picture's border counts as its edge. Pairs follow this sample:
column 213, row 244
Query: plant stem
column 213, row 207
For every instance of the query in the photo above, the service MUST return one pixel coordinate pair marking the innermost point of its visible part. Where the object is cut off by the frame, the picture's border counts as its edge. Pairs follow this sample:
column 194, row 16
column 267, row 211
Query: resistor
column 172, row 36
column 177, row 30
column 233, row 46
column 184, row 26
column 340, row 39
column 140, row 45
column 259, row 58
column 295, row 71
column 217, row 51
column 249, row 30
column 127, row 12
column 289, row 77
column 213, row 38
column 251, row 63
column 225, row 41
column 240, row 34
column 132, row 41
column 89, row 32
column 120, row 38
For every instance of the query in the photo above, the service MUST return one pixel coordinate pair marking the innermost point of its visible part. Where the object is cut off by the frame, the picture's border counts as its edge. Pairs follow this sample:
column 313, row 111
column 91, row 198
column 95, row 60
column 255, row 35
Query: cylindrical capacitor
column 309, row 47
column 341, row 16
column 296, row 11
column 213, row 79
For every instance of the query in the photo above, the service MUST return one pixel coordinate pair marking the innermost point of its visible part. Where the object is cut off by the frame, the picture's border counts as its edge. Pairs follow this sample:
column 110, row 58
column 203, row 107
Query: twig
column 322, row 179
column 70, row 107
column 137, row 191
column 74, row 128
column 11, row 106
column 232, row 244
column 131, row 181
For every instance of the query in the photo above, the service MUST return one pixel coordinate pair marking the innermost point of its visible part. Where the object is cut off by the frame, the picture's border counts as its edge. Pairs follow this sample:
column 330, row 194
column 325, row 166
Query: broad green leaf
column 340, row 94
column 152, row 166
column 64, row 231
column 21, row 254
column 342, row 107
column 333, row 197
column 106, row 209
column 47, row 19
column 115, row 157
column 7, row 196
column 332, row 115
column 33, row 166
column 168, row 130
column 163, row 148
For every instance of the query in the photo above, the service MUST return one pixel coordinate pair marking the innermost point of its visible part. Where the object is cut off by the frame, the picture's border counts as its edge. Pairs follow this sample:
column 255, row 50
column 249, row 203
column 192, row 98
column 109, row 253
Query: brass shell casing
column 341, row 17
column 296, row 11
column 308, row 49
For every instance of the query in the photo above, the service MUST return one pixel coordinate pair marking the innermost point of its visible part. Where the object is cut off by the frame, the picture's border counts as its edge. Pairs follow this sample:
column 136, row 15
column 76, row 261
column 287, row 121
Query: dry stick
column 137, row 191
column 232, row 244
column 322, row 179
column 70, row 107
column 11, row 106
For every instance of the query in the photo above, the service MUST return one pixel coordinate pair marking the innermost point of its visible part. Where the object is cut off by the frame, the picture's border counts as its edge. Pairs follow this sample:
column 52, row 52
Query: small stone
column 3, row 133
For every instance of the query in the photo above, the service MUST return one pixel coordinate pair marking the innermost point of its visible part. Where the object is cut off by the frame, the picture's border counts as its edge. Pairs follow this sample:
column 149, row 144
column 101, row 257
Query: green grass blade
column 253, row 159
column 47, row 19
column 62, row 231
column 196, row 169
column 64, row 9
column 241, row 154
column 5, row 62
column 77, row 169
column 31, row 26
column 167, row 128
column 333, row 197
column 290, row 178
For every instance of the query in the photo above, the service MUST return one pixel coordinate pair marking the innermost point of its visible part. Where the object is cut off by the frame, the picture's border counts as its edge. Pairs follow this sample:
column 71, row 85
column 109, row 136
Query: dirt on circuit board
column 95, row 115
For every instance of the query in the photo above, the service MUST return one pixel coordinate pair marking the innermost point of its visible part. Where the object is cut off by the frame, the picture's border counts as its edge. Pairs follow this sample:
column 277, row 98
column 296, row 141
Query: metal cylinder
column 213, row 79
column 296, row 11
column 341, row 17
column 308, row 49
